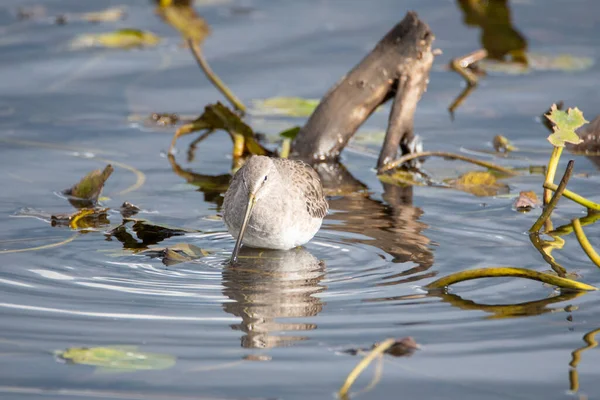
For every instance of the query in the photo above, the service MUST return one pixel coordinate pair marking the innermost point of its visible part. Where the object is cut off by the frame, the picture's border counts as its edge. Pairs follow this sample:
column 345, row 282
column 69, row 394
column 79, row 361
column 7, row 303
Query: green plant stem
column 505, row 272
column 567, row 229
column 286, row 146
column 197, row 52
column 412, row 156
column 554, row 200
column 551, row 171
column 585, row 243
column 575, row 197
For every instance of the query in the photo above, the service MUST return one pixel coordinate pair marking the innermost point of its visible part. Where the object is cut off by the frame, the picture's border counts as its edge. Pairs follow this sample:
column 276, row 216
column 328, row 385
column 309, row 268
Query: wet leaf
column 121, row 39
column 527, row 201
column 164, row 119
column 116, row 358
column 219, row 117
column 403, row 347
column 502, row 144
column 565, row 124
column 82, row 219
column 289, row 106
column 86, row 192
column 109, row 15
column 129, row 210
column 400, row 348
column 479, row 183
column 172, row 255
column 182, row 16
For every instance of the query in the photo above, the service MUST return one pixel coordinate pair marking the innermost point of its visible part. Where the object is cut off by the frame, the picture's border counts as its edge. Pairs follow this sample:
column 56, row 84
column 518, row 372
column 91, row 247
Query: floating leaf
column 164, row 119
column 182, row 16
column 82, row 219
column 116, row 358
column 289, row 106
column 109, row 15
column 479, row 183
column 526, row 201
column 182, row 252
column 129, row 210
column 502, row 144
column 219, row 117
column 565, row 124
column 399, row 348
column 86, row 192
column 121, row 39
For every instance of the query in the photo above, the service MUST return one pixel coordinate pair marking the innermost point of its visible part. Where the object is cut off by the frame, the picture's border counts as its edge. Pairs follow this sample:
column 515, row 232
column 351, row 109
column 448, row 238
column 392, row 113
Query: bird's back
column 306, row 181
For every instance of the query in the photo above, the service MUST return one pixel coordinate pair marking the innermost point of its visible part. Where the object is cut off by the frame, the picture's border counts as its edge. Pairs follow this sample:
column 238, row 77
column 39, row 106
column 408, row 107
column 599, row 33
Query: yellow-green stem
column 197, row 52
column 585, row 243
column 364, row 363
column 551, row 171
column 412, row 156
column 554, row 200
column 508, row 272
column 575, row 197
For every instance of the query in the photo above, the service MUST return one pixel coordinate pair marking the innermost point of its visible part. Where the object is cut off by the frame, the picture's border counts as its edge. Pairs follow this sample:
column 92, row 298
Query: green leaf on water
column 86, row 192
column 116, row 358
column 121, row 39
column 289, row 106
column 565, row 124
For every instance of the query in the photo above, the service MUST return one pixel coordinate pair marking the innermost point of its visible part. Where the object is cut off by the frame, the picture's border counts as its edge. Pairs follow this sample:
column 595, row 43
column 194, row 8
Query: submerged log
column 398, row 67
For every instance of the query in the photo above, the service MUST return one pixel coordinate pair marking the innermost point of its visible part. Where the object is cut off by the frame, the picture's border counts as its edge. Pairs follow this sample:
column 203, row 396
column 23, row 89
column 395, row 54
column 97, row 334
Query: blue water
column 64, row 113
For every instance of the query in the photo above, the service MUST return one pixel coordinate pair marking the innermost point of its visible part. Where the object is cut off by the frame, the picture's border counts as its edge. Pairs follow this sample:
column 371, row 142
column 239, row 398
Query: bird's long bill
column 238, row 242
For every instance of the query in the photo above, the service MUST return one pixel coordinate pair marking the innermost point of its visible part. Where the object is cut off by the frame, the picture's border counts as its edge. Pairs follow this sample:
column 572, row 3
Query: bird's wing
column 307, row 181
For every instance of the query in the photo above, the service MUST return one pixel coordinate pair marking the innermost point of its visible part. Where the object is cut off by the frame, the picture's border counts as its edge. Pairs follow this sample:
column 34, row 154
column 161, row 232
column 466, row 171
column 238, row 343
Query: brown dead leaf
column 128, row 210
column 526, row 201
column 401, row 348
column 502, row 144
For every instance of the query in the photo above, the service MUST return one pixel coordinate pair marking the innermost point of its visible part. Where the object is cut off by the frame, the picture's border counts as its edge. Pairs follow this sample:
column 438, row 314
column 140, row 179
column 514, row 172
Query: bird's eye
column 266, row 178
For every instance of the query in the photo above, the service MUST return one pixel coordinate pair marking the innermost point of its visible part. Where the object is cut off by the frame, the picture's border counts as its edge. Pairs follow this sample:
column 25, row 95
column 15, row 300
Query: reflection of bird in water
column 274, row 203
column 266, row 285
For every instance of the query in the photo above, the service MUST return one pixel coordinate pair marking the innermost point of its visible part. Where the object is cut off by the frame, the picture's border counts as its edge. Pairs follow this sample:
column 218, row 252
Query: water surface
column 277, row 328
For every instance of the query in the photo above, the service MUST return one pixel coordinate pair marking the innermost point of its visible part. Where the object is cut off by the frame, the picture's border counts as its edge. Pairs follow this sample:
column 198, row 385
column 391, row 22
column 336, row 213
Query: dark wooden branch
column 398, row 67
